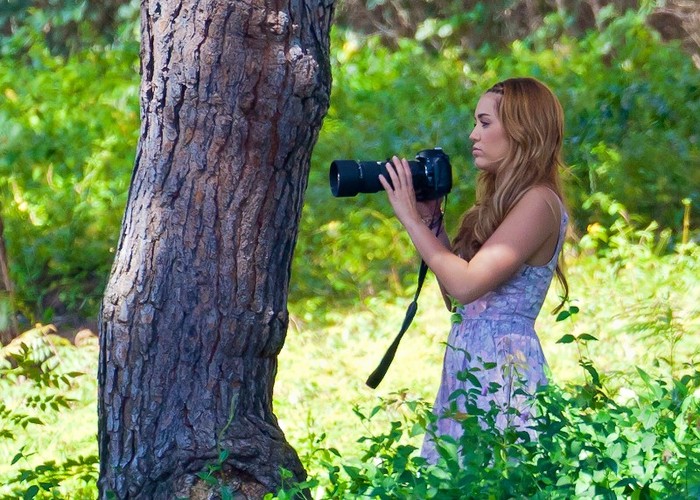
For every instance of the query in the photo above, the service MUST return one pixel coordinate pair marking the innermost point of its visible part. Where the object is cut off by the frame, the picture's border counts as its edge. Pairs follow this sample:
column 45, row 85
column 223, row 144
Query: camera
column 431, row 173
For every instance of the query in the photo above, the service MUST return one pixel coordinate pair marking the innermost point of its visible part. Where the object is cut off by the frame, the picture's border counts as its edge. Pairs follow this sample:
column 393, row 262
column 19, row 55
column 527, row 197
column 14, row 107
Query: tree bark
column 233, row 94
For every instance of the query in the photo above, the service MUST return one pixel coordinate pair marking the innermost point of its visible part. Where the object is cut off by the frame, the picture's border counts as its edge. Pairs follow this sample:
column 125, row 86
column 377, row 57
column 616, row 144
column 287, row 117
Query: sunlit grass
column 642, row 309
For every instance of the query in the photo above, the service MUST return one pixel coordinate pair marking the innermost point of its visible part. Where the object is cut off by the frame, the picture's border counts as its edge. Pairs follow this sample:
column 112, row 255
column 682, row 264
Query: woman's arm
column 445, row 240
column 431, row 214
column 529, row 225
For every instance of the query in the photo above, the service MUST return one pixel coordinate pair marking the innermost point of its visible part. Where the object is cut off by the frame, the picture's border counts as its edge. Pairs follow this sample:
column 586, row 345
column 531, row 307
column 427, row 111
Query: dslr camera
column 431, row 173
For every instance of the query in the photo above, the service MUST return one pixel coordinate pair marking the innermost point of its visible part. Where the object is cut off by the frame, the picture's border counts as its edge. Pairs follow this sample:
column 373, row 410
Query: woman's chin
column 484, row 167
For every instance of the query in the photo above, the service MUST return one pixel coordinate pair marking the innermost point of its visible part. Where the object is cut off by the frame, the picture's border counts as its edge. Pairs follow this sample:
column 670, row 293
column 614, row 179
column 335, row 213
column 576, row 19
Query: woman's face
column 489, row 138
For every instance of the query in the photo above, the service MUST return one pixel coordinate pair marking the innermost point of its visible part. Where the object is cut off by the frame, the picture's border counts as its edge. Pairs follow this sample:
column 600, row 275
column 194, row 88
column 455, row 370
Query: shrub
column 36, row 383
column 630, row 101
column 588, row 445
column 70, row 130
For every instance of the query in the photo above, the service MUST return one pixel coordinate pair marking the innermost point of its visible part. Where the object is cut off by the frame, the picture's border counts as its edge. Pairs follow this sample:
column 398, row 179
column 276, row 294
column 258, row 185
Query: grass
column 642, row 307
column 644, row 311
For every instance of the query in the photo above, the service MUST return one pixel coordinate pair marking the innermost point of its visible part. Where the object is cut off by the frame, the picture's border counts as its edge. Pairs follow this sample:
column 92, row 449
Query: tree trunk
column 195, row 312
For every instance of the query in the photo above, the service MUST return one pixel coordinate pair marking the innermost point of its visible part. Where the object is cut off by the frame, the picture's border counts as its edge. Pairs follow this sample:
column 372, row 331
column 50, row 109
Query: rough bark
column 195, row 312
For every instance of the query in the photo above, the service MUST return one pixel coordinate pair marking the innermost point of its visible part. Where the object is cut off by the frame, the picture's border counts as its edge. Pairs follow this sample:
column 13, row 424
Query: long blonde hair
column 533, row 121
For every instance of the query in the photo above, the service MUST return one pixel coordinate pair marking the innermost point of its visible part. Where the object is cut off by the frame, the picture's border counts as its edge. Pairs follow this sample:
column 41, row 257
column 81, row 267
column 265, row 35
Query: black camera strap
column 377, row 375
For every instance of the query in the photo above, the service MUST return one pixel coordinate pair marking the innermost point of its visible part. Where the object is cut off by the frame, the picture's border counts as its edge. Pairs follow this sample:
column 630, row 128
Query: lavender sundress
column 497, row 328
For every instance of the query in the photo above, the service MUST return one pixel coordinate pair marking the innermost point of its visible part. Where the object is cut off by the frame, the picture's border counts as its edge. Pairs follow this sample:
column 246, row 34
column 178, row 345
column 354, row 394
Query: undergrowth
column 582, row 443
column 42, row 381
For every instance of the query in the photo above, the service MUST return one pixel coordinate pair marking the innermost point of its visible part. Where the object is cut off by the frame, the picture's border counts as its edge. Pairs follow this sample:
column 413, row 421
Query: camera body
column 431, row 173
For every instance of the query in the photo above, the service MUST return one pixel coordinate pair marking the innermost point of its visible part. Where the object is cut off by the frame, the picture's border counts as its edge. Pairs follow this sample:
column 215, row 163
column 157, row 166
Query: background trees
column 70, row 113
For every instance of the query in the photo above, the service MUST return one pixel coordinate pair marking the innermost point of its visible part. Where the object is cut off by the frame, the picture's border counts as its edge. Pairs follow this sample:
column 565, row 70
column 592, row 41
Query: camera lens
column 345, row 177
column 349, row 177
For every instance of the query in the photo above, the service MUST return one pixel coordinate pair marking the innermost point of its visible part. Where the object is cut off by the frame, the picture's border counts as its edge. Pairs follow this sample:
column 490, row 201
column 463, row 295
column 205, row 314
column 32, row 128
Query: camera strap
column 377, row 375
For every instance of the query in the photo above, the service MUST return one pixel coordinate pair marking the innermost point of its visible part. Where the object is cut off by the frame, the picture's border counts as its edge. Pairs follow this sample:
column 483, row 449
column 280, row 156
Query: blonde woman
column 500, row 264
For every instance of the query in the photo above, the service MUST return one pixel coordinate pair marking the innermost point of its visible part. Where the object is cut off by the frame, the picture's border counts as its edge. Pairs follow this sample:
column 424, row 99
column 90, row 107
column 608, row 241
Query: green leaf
column 595, row 377
column 566, row 339
column 644, row 375
column 586, row 336
column 31, row 420
column 226, row 493
column 468, row 375
column 353, row 472
column 17, row 457
column 648, row 417
column 207, row 478
column 628, row 481
column 47, row 486
column 31, row 492
column 563, row 315
column 648, row 440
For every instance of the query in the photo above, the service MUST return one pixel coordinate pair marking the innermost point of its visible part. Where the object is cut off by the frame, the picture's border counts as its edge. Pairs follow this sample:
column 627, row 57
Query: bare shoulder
column 540, row 201
column 537, row 213
column 543, row 193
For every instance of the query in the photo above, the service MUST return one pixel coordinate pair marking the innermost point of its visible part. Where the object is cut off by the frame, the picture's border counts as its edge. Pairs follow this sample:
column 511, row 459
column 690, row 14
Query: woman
column 499, row 266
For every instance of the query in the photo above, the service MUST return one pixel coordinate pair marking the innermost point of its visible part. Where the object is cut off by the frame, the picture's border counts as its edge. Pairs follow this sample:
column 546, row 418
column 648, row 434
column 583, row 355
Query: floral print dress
column 495, row 341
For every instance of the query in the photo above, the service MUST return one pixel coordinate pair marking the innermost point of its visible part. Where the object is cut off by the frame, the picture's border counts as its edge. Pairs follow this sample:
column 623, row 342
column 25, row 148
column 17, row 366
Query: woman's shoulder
column 538, row 210
column 541, row 196
column 543, row 191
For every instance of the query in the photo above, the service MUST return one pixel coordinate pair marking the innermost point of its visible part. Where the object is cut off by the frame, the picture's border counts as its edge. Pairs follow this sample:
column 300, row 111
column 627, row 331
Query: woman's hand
column 403, row 197
column 399, row 189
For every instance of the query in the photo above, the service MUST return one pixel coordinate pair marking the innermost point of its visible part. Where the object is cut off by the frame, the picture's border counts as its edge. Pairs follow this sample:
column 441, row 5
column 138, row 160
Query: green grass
column 642, row 307
column 644, row 310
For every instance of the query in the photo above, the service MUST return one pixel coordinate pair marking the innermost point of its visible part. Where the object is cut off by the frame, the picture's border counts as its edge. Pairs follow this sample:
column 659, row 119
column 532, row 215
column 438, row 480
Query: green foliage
column 211, row 476
column 64, row 27
column 630, row 104
column 70, row 130
column 69, row 117
column 71, row 127
column 650, row 295
column 587, row 445
column 644, row 422
column 33, row 374
column 357, row 243
column 612, row 432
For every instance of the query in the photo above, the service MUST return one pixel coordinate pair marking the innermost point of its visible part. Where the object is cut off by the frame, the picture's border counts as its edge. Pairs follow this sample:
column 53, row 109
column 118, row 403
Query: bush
column 631, row 104
column 70, row 131
column 588, row 445
column 71, row 127
column 38, row 385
